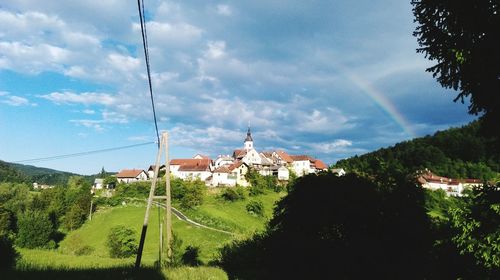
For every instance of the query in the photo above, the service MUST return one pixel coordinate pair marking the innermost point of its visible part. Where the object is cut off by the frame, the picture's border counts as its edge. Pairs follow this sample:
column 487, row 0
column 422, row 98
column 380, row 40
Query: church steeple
column 248, row 140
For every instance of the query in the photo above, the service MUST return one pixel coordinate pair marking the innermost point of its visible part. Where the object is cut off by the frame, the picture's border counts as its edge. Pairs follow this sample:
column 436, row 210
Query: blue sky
column 326, row 78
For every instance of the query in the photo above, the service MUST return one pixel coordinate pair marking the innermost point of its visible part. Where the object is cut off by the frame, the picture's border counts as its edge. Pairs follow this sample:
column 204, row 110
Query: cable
column 33, row 160
column 140, row 6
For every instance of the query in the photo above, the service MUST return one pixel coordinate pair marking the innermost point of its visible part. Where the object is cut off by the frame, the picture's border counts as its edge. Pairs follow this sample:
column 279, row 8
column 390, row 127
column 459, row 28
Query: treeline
column 456, row 153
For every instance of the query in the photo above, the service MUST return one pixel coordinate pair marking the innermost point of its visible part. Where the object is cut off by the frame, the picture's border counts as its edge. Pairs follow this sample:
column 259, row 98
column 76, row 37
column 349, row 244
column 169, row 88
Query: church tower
column 248, row 141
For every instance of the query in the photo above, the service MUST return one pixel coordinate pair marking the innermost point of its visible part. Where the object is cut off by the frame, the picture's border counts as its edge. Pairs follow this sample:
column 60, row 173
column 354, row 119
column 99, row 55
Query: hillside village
column 230, row 170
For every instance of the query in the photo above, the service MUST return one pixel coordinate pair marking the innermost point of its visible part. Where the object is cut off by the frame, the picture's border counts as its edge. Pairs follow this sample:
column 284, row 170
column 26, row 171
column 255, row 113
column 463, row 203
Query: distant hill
column 20, row 173
column 456, row 152
column 10, row 174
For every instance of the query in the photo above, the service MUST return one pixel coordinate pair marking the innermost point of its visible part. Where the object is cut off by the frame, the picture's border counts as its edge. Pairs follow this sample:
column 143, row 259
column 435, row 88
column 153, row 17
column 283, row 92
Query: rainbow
column 379, row 98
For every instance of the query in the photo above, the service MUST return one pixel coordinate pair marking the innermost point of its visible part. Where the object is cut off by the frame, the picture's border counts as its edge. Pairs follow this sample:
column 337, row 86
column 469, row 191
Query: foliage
column 34, row 229
column 190, row 256
column 194, row 193
column 259, row 183
column 134, row 189
column 8, row 254
column 176, row 246
column 122, row 242
column 462, row 38
column 233, row 193
column 456, row 153
column 338, row 227
column 255, row 208
column 476, row 227
column 10, row 174
column 76, row 246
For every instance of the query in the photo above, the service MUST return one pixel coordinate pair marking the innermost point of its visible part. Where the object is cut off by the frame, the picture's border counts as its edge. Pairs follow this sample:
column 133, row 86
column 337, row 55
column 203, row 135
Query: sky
column 330, row 79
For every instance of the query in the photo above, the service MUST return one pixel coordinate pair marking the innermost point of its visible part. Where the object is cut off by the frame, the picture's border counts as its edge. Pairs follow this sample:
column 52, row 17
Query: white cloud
column 85, row 98
column 335, row 146
column 88, row 112
column 224, row 10
column 16, row 101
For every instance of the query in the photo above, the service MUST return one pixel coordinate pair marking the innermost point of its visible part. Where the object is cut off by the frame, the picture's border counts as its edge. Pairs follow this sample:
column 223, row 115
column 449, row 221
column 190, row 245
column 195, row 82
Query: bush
column 34, row 229
column 122, row 242
column 75, row 217
column 8, row 255
column 193, row 195
column 255, row 208
column 233, row 194
column 191, row 256
column 75, row 246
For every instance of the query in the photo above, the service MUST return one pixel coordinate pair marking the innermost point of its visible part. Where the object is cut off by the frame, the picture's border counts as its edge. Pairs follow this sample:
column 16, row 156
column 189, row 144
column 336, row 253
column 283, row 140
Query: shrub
column 255, row 208
column 194, row 194
column 34, row 229
column 8, row 255
column 191, row 256
column 233, row 194
column 75, row 217
column 122, row 242
column 75, row 246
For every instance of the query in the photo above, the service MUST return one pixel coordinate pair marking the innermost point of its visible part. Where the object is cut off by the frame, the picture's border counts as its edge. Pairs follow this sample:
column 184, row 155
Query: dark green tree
column 122, row 242
column 34, row 229
column 462, row 37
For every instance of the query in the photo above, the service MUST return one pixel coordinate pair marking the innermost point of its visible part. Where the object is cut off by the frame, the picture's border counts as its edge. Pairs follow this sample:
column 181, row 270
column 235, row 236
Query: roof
column 235, row 165
column 152, row 167
column 320, row 164
column 222, row 169
column 239, row 153
column 284, row 156
column 302, row 158
column 129, row 173
column 190, row 161
column 202, row 167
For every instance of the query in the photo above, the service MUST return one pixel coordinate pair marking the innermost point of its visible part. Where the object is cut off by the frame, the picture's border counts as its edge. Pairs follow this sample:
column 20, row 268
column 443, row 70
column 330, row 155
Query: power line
column 140, row 6
column 33, row 160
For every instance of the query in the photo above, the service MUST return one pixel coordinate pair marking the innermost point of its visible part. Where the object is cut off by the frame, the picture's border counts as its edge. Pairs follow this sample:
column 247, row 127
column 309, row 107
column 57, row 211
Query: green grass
column 62, row 263
column 233, row 216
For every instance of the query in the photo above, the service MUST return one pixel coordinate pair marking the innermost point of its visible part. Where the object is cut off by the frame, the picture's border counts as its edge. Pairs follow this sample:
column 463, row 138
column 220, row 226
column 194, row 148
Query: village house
column 131, row 175
column 151, row 170
column 452, row 187
column 192, row 168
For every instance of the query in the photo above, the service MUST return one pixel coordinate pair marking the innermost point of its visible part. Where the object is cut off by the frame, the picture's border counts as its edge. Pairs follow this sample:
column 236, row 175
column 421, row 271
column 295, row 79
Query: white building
column 131, row 175
column 191, row 168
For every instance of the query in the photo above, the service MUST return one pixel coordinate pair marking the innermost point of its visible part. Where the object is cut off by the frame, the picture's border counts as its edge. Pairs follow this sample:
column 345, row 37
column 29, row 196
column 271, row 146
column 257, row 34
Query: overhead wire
column 33, row 160
column 140, row 5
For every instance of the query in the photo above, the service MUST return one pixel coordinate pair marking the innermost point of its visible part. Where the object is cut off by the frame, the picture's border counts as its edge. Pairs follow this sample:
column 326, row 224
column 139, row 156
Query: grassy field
column 233, row 216
column 63, row 262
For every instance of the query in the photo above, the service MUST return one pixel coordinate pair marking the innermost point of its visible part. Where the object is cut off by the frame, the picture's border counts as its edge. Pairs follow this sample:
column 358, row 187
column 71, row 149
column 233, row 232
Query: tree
column 463, row 38
column 330, row 227
column 122, row 242
column 34, row 229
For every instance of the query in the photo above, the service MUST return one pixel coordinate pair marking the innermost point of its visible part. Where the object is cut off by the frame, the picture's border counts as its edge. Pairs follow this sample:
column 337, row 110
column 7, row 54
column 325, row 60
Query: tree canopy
column 462, row 37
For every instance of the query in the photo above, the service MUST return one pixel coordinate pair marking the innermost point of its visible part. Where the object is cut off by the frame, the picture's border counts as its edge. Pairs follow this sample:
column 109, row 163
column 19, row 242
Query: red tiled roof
column 202, row 156
column 222, row 169
column 239, row 153
column 190, row 161
column 201, row 167
column 320, row 164
column 235, row 165
column 129, row 173
column 302, row 158
column 284, row 156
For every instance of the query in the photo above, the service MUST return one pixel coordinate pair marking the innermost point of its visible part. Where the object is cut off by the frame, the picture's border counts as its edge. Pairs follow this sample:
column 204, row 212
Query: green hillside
column 456, row 152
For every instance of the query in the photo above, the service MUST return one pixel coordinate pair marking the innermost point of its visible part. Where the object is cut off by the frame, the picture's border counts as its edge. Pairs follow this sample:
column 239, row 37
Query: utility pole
column 166, row 232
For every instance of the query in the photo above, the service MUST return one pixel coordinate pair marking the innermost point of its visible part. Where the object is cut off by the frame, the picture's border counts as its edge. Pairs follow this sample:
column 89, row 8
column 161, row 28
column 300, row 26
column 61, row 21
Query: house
column 222, row 160
column 319, row 165
column 98, row 184
column 151, row 170
column 199, row 156
column 338, row 171
column 282, row 158
column 131, row 175
column 222, row 177
column 302, row 165
column 191, row 168
column 283, row 173
column 239, row 170
column 453, row 187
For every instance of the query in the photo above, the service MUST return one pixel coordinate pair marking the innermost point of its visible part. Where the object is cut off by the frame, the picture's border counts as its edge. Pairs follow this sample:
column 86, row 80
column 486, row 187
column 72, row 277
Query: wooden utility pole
column 166, row 232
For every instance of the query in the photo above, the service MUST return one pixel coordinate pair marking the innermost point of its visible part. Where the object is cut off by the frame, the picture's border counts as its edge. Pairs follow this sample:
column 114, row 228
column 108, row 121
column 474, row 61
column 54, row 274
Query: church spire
column 248, row 140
